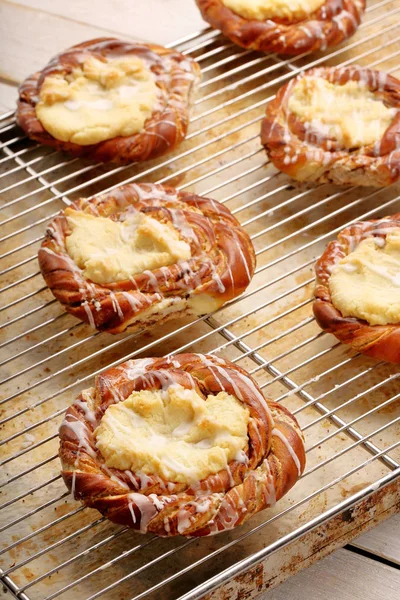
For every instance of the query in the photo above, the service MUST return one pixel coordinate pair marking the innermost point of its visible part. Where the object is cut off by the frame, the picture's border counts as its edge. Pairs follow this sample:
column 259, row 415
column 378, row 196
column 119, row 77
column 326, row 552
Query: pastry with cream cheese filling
column 142, row 254
column 284, row 26
column 110, row 100
column 357, row 294
column 338, row 125
column 184, row 445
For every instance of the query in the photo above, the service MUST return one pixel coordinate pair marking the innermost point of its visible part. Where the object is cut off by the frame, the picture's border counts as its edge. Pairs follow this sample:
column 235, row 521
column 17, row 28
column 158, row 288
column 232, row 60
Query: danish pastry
column 142, row 254
column 357, row 294
column 284, row 26
column 338, row 125
column 110, row 100
column 181, row 445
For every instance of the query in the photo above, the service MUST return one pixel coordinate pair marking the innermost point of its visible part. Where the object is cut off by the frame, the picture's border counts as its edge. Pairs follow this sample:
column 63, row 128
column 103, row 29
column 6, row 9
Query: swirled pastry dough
column 142, row 254
column 287, row 26
column 338, row 125
column 181, row 445
column 357, row 292
column 110, row 100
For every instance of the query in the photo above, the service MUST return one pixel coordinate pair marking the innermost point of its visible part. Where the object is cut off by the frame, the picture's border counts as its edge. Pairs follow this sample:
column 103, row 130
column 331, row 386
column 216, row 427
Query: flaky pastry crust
column 273, row 461
column 221, row 266
column 379, row 341
column 334, row 22
column 308, row 155
column 176, row 77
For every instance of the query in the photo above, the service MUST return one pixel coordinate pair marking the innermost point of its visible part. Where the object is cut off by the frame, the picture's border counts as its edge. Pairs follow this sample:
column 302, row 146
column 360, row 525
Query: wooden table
column 33, row 30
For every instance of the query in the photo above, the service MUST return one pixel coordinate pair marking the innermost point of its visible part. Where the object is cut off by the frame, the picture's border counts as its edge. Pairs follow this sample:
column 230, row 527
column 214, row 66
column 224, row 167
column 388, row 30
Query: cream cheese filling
column 366, row 283
column 350, row 112
column 110, row 251
column 173, row 433
column 97, row 102
column 261, row 10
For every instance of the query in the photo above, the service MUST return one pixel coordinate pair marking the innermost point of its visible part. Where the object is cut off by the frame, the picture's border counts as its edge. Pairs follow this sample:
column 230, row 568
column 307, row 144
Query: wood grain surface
column 383, row 541
column 343, row 575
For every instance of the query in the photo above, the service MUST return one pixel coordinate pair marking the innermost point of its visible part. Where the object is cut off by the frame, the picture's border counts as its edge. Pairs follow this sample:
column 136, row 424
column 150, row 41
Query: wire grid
column 345, row 403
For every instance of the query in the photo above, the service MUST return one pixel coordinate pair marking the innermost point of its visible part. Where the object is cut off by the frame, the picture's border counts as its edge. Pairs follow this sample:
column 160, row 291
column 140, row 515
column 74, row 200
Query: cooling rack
column 347, row 405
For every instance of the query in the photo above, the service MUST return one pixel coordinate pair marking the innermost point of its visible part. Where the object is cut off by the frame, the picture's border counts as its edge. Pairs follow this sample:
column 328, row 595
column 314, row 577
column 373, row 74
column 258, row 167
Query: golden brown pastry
column 142, row 254
column 338, row 125
column 284, row 26
column 181, row 445
column 357, row 294
column 110, row 100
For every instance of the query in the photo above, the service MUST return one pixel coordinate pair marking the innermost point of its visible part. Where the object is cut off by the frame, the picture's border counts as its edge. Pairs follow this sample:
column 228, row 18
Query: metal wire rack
column 347, row 405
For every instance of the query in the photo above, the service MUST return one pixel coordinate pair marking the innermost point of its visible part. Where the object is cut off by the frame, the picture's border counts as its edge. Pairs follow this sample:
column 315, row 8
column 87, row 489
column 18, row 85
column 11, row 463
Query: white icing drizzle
column 188, row 275
column 215, row 276
column 146, row 508
column 181, row 223
column 248, row 381
column 165, row 272
column 153, row 193
column 268, row 487
column 145, row 480
column 116, row 305
column 131, row 477
column 80, row 430
column 159, row 501
column 132, row 512
column 230, row 476
column 166, row 525
column 184, row 520
column 202, row 505
column 114, row 477
column 228, row 515
column 115, row 393
column 54, row 230
column 88, row 413
column 292, row 453
column 136, row 368
column 156, row 134
column 135, row 303
column 152, row 280
column 241, row 457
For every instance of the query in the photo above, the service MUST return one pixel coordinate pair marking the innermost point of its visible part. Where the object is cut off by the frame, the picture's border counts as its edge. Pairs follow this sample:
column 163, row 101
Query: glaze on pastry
column 339, row 125
column 357, row 294
column 110, row 100
column 284, row 26
column 181, row 445
column 142, row 254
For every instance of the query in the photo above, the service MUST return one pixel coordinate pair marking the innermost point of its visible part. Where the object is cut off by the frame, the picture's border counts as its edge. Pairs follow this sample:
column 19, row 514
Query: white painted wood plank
column 160, row 21
column 343, row 575
column 8, row 97
column 383, row 540
column 29, row 39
